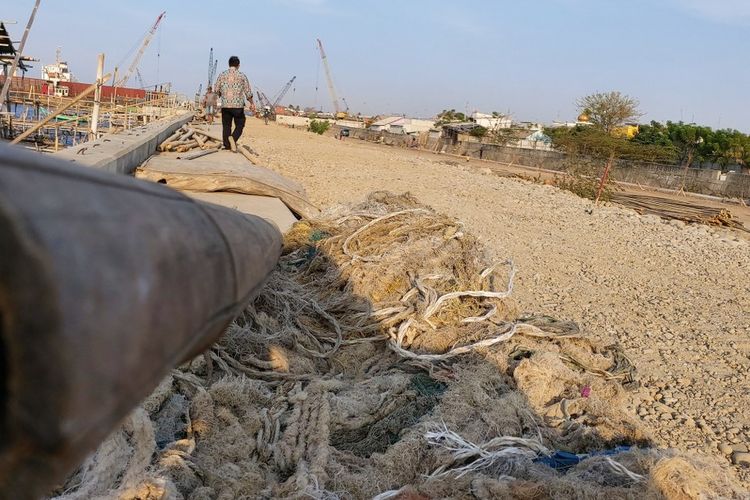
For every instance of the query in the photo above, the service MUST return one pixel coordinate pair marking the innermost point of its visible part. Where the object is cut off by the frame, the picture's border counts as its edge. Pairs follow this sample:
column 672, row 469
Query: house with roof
column 402, row 125
column 516, row 137
column 491, row 122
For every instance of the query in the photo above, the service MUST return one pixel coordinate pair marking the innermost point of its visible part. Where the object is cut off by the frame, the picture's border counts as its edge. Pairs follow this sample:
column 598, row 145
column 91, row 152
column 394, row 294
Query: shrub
column 319, row 126
column 582, row 177
column 478, row 131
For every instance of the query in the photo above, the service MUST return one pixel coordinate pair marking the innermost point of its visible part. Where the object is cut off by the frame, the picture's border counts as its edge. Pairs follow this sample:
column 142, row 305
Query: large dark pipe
column 106, row 283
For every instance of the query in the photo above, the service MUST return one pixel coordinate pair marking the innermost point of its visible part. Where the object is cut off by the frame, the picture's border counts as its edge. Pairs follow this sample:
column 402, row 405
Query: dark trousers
column 227, row 115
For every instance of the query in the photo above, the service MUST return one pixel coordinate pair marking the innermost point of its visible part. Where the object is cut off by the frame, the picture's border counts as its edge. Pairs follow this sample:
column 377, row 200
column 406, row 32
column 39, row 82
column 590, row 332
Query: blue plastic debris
column 564, row 461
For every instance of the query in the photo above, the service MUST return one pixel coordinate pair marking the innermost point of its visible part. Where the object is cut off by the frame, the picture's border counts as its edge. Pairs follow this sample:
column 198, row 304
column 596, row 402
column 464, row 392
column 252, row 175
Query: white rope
column 387, row 495
column 476, row 319
column 497, row 450
column 433, row 308
column 621, row 470
column 403, row 329
column 403, row 335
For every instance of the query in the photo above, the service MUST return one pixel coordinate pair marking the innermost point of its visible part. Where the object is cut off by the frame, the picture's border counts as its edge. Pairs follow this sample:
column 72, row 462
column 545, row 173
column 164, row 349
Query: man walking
column 233, row 88
column 209, row 104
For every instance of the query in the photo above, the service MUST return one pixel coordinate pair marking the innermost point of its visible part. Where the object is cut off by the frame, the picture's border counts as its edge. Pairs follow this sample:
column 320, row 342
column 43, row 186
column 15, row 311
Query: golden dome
column 583, row 117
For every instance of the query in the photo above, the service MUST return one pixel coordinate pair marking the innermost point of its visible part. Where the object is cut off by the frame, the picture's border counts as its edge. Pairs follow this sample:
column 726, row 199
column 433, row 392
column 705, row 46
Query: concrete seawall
column 121, row 153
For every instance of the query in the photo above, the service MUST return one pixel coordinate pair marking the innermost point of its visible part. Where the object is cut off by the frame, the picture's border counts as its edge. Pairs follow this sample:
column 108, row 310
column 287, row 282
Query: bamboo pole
column 97, row 98
column 59, row 111
column 603, row 181
column 186, row 146
column 244, row 150
column 209, row 135
column 198, row 154
column 114, row 88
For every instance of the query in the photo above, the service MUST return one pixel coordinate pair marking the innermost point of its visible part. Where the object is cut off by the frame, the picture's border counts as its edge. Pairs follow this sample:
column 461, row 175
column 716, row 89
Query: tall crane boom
column 263, row 99
column 139, row 55
column 212, row 63
column 283, row 92
column 331, row 88
column 140, row 78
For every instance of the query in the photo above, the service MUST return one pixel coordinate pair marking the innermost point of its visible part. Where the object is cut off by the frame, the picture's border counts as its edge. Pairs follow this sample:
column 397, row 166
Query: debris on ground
column 679, row 210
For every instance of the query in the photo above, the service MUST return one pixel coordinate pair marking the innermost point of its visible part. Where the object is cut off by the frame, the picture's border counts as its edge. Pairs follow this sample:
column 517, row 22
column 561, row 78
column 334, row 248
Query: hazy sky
column 683, row 59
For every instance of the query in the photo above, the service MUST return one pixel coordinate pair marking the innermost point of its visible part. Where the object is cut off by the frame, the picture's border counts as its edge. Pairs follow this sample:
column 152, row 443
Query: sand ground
column 676, row 296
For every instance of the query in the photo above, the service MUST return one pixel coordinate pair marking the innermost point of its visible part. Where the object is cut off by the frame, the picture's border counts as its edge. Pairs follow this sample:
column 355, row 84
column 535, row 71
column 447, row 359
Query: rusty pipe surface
column 106, row 283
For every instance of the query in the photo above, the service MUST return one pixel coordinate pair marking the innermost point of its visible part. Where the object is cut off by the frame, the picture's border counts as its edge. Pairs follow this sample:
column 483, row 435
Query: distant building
column 401, row 125
column 531, row 139
column 491, row 122
column 583, row 119
column 384, row 124
column 528, row 125
column 564, row 124
column 350, row 123
column 629, row 130
column 455, row 132
column 522, row 137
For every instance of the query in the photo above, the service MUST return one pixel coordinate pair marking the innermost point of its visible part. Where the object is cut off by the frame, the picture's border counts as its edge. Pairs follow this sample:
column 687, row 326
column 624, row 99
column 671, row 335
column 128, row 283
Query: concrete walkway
column 121, row 153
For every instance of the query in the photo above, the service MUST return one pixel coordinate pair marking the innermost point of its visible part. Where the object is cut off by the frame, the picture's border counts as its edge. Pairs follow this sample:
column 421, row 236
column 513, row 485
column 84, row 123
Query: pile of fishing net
column 386, row 358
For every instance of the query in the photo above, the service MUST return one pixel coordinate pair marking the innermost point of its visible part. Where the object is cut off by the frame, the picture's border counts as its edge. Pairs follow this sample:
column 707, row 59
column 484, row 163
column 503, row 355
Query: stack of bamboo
column 201, row 142
column 686, row 211
column 187, row 138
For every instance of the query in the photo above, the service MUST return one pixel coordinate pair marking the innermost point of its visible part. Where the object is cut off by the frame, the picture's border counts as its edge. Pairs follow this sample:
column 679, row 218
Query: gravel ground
column 676, row 296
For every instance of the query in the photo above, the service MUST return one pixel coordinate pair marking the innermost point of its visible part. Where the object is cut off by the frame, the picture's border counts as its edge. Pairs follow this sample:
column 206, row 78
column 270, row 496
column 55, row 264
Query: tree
column 654, row 134
column 609, row 110
column 728, row 147
column 500, row 136
column 688, row 140
column 478, row 131
column 449, row 116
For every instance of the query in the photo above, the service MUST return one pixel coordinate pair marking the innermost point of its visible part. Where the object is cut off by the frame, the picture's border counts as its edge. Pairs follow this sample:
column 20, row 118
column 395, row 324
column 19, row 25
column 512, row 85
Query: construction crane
column 139, row 55
column 283, row 92
column 198, row 95
column 329, row 78
column 263, row 99
column 140, row 78
column 212, row 63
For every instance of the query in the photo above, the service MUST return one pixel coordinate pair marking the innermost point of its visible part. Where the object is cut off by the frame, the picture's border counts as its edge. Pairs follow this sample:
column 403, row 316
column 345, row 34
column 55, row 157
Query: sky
column 682, row 59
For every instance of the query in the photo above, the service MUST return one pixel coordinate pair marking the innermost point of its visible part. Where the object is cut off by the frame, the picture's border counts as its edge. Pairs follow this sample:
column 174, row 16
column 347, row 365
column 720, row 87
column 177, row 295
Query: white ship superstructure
column 57, row 72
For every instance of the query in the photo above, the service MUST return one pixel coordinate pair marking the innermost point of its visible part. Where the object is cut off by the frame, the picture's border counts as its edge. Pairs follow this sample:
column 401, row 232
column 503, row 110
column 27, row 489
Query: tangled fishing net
column 386, row 359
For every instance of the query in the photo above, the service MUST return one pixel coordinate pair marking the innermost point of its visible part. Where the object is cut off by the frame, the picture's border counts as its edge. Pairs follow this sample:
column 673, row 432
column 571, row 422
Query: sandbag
column 211, row 174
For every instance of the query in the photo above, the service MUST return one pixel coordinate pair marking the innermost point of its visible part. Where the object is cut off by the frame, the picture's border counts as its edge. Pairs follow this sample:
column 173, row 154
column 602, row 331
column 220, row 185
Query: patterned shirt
column 233, row 87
